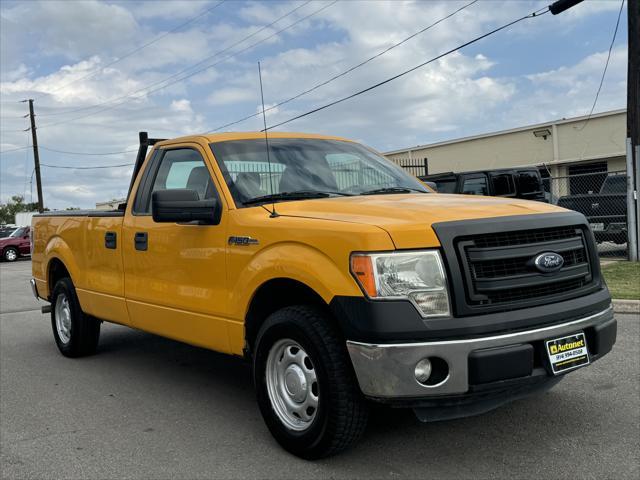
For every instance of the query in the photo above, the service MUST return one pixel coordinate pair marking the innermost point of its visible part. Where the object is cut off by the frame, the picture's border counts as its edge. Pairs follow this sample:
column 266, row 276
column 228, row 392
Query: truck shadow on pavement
column 194, row 373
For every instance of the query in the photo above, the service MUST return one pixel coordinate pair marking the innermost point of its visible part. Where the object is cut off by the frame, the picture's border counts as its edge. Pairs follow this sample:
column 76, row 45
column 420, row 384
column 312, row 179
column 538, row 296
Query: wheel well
column 272, row 296
column 57, row 270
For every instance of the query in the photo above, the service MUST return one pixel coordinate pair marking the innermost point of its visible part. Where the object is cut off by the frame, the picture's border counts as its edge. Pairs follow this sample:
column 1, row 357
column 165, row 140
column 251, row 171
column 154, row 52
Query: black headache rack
column 145, row 143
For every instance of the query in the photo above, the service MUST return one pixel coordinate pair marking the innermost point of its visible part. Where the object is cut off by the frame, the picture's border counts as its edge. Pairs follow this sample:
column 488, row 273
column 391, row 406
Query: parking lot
column 146, row 407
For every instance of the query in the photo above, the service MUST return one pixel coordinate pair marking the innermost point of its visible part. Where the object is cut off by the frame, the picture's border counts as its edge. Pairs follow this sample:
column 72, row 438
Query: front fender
column 295, row 261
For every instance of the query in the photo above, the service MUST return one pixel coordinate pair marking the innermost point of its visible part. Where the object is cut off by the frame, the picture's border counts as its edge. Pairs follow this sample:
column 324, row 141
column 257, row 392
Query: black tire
column 10, row 254
column 85, row 330
column 342, row 412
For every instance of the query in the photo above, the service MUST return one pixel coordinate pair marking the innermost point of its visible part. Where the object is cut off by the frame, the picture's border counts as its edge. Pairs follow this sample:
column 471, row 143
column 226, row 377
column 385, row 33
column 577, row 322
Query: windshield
column 20, row 232
column 307, row 167
column 615, row 184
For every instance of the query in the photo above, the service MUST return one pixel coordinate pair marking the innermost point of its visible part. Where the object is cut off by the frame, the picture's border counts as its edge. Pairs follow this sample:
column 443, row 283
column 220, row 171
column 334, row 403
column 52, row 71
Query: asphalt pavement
column 147, row 407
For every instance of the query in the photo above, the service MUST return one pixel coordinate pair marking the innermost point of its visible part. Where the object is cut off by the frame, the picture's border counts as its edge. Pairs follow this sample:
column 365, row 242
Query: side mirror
column 183, row 205
column 432, row 185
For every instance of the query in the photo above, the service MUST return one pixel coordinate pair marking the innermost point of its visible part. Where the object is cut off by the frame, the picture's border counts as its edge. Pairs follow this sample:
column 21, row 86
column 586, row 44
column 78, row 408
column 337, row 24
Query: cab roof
column 227, row 136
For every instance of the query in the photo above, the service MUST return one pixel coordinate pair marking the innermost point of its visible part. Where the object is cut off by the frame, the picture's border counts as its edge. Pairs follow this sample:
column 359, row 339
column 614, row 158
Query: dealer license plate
column 567, row 353
column 597, row 227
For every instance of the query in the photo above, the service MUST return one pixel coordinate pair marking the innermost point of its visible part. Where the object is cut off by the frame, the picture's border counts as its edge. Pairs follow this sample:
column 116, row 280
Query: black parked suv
column 523, row 183
column 605, row 210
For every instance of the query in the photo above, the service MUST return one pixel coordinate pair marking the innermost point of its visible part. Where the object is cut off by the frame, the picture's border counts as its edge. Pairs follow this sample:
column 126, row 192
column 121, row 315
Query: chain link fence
column 601, row 196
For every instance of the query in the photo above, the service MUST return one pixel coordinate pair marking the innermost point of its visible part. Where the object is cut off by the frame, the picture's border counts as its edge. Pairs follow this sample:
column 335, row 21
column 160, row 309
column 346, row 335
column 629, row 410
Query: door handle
column 111, row 240
column 141, row 241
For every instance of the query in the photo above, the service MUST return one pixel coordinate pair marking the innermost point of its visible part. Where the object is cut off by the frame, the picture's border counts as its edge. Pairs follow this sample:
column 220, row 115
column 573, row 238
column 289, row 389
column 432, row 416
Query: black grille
column 518, row 266
column 517, row 294
column 499, row 267
column 541, row 235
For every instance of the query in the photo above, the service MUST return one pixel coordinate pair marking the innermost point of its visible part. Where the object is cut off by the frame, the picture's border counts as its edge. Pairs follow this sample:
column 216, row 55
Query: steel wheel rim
column 292, row 384
column 63, row 318
column 10, row 255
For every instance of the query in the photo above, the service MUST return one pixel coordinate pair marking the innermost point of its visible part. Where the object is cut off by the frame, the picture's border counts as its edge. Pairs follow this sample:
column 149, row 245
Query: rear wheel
column 306, row 388
column 75, row 333
column 10, row 254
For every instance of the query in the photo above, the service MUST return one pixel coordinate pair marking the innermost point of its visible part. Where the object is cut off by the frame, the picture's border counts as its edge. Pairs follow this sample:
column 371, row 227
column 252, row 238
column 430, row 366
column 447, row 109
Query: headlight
column 417, row 276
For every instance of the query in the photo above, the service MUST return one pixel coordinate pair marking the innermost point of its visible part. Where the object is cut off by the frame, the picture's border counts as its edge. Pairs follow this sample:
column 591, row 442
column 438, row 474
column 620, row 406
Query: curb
column 626, row 306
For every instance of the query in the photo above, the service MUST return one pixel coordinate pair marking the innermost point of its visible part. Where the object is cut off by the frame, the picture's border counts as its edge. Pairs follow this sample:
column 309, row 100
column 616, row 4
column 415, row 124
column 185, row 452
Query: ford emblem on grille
column 548, row 262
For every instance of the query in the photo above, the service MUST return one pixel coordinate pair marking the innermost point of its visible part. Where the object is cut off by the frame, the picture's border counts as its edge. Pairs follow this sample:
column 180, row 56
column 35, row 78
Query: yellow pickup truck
column 341, row 278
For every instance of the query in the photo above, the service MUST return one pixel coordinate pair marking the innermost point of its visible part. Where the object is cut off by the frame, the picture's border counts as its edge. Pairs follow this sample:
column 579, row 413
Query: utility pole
column 36, row 156
column 633, row 105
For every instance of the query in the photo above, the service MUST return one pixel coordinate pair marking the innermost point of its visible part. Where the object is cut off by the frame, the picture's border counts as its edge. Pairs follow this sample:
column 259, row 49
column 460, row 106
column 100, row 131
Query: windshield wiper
column 295, row 195
column 379, row 191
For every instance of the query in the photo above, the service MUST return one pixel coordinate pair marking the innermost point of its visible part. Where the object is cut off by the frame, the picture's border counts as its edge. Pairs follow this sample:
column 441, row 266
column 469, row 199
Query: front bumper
column 386, row 371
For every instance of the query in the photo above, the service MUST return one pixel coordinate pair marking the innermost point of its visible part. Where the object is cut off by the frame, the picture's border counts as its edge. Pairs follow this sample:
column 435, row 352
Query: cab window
column 180, row 168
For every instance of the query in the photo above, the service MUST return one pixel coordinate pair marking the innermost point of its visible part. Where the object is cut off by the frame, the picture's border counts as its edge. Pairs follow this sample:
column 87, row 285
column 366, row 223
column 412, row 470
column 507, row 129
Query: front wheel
column 306, row 388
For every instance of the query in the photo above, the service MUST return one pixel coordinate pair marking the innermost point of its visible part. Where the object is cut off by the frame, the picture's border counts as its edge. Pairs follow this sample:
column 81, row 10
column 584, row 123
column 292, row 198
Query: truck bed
column 86, row 243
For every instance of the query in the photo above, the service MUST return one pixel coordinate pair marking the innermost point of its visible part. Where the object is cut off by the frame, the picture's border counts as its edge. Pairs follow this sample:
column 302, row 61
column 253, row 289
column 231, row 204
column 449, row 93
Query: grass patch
column 623, row 279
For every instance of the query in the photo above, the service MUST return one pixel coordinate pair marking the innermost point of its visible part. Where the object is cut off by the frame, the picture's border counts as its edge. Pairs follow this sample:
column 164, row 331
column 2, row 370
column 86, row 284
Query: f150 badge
column 243, row 241
column 548, row 262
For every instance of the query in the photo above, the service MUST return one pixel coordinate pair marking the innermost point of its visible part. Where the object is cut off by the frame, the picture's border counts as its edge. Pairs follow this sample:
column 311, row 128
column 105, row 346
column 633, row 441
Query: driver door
column 175, row 275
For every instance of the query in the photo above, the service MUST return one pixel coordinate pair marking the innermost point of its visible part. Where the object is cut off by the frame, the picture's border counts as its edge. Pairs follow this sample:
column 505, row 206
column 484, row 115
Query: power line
column 96, row 167
column 537, row 13
column 65, row 152
column 345, row 72
column 604, row 72
column 161, row 87
column 136, row 50
column 14, row 150
column 166, row 81
column 15, row 131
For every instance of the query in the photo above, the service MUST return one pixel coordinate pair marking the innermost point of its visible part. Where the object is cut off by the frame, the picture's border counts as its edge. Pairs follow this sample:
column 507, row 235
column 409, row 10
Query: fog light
column 423, row 370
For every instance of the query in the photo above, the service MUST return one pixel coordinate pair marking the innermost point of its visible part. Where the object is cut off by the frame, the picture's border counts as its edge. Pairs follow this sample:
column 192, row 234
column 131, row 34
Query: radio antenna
column 266, row 141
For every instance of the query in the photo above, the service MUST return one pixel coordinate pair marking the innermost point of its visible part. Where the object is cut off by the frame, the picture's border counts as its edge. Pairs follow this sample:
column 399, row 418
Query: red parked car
column 16, row 245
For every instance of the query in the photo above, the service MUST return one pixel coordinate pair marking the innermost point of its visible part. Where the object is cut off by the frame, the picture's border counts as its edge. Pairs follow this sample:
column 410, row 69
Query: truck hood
column 408, row 217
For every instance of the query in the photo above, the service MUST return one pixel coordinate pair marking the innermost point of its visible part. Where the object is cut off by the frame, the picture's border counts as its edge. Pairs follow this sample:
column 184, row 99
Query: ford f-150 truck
column 341, row 278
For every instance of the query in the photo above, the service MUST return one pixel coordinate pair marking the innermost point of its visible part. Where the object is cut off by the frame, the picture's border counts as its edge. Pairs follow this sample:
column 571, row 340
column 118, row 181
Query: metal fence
column 417, row 167
column 602, row 197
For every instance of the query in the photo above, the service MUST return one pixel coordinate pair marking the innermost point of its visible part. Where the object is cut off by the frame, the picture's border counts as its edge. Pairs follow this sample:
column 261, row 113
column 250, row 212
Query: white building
column 560, row 148
column 110, row 205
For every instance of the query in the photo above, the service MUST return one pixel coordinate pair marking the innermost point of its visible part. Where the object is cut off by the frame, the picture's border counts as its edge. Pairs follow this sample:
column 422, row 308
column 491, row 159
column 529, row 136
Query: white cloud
column 225, row 96
column 75, row 29
column 182, row 105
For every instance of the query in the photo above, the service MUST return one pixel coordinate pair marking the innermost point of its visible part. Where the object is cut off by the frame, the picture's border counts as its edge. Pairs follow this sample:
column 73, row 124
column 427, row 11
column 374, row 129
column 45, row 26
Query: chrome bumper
column 387, row 370
column 34, row 288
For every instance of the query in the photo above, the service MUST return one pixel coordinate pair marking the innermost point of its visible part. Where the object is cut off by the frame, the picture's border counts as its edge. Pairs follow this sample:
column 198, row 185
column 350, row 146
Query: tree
column 15, row 205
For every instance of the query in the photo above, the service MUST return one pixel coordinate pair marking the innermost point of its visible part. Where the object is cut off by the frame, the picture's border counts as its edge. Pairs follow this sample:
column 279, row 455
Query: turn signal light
column 362, row 268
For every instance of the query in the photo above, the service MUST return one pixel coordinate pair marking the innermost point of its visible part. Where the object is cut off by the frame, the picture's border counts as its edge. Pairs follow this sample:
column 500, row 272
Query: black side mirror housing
column 182, row 205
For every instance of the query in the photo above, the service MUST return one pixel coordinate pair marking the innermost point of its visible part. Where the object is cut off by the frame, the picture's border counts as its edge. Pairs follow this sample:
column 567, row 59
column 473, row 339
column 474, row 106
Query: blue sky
column 541, row 69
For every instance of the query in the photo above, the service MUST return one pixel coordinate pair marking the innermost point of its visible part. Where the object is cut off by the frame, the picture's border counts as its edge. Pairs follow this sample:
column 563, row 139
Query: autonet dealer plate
column 567, row 353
